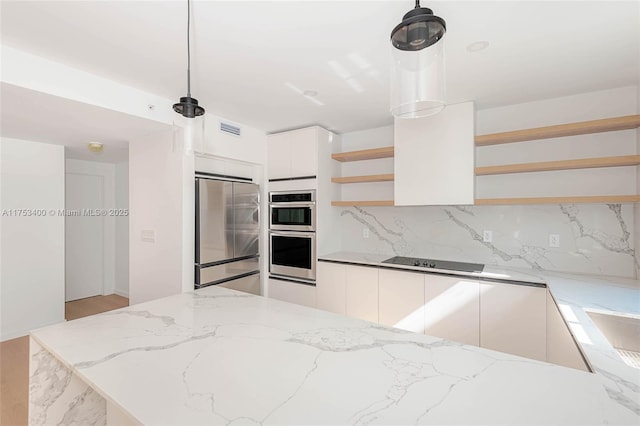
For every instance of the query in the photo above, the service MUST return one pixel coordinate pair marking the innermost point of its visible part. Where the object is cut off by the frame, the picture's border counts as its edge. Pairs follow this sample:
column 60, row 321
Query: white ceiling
column 36, row 116
column 248, row 58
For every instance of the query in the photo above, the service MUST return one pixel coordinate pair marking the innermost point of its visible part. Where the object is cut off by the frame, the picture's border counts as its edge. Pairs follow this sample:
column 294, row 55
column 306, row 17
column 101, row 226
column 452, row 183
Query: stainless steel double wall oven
column 292, row 235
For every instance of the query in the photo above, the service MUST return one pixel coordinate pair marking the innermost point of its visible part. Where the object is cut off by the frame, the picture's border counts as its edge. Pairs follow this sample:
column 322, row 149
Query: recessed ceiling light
column 477, row 46
column 309, row 95
column 95, row 146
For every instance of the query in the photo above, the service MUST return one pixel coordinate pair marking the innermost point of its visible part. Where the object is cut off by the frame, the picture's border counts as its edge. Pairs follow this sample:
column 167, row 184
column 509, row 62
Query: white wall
column 328, row 217
column 31, row 248
column 36, row 73
column 637, row 205
column 582, row 107
column 366, row 139
column 595, row 238
column 121, row 282
column 156, row 208
column 249, row 147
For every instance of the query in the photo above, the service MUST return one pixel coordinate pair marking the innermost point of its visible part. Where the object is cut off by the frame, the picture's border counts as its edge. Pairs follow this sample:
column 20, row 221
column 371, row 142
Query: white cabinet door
column 401, row 302
column 348, row 290
column 513, row 319
column 304, row 152
column 279, row 156
column 452, row 308
column 293, row 154
column 287, row 291
column 434, row 158
column 561, row 348
column 362, row 292
column 330, row 285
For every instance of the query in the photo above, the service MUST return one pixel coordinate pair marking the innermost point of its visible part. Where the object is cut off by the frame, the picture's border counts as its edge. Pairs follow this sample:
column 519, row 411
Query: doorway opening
column 96, row 227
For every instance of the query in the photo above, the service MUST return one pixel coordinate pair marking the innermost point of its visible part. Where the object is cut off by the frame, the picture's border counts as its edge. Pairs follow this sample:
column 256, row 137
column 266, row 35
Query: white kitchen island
column 217, row 356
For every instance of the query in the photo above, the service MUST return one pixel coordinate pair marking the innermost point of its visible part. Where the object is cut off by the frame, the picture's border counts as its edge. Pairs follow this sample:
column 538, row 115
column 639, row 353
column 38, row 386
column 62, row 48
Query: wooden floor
column 14, row 359
column 93, row 305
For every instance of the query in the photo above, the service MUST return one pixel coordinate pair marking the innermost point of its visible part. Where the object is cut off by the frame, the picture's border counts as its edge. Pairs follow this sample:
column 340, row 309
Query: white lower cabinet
column 348, row 290
column 452, row 308
column 561, row 348
column 513, row 319
column 402, row 299
column 505, row 317
column 331, row 288
column 287, row 291
column 361, row 295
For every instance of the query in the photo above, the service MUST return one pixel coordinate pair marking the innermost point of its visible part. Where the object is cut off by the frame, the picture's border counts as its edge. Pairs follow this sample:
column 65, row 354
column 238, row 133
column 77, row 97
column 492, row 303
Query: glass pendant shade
column 418, row 68
column 417, row 82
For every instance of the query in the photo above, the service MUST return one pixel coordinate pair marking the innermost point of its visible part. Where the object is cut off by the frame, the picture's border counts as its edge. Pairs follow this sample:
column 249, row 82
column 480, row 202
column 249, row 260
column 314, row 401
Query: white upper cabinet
column 434, row 158
column 304, row 152
column 278, row 156
column 293, row 154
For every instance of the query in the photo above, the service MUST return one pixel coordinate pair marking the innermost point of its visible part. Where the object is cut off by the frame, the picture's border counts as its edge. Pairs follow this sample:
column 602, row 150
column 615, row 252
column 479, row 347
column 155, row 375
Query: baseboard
column 24, row 331
column 121, row 293
column 13, row 335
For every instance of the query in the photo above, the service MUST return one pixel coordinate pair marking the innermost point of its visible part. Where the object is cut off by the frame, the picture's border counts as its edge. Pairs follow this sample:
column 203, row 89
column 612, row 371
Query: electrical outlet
column 487, row 236
column 365, row 232
column 554, row 240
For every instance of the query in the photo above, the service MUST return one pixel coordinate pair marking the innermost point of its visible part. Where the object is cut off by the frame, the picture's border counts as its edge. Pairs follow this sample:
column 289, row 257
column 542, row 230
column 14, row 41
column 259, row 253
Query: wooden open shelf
column 365, row 154
column 508, row 201
column 545, row 166
column 559, row 200
column 362, row 179
column 569, row 129
column 362, row 203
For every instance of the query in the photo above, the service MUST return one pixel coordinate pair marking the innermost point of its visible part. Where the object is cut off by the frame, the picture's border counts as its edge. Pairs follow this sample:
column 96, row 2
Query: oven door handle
column 299, row 234
column 301, row 204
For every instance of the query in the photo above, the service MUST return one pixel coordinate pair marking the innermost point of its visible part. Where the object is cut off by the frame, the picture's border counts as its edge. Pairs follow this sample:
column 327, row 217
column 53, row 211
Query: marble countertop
column 489, row 272
column 576, row 295
column 217, row 356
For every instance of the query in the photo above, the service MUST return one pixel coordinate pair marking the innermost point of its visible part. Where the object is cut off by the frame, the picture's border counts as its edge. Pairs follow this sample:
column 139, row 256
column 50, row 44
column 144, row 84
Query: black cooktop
column 435, row 264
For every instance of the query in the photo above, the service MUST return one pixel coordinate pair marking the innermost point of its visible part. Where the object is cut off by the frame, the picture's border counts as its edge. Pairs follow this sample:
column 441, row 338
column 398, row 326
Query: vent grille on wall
column 229, row 128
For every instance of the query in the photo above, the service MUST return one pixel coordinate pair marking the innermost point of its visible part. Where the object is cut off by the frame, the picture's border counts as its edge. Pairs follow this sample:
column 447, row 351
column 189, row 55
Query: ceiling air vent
column 229, row 128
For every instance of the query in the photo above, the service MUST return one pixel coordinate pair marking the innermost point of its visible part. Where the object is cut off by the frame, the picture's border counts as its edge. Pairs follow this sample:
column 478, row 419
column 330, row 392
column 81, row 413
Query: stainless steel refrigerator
column 227, row 235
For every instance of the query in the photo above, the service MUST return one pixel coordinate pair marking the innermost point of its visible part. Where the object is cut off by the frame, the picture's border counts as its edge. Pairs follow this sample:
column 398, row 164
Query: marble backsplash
column 594, row 238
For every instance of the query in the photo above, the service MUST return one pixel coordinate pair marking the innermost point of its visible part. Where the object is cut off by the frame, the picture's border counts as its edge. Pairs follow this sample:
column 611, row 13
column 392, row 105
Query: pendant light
column 417, row 75
column 188, row 106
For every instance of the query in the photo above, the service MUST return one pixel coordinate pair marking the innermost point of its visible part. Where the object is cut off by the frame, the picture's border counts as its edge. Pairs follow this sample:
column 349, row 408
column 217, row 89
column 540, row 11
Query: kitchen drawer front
column 250, row 284
column 224, row 271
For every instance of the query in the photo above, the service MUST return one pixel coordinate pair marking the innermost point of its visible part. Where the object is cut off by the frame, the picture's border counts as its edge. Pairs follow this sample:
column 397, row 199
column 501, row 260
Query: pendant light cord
column 188, row 49
column 417, row 4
